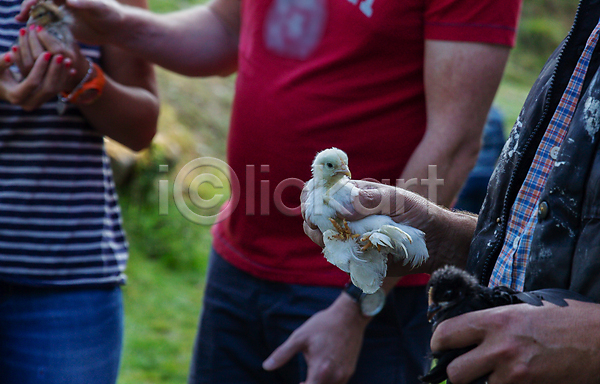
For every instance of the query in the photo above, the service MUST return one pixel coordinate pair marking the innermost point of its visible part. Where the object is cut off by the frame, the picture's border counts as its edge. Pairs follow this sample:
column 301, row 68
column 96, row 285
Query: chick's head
column 330, row 165
column 448, row 287
column 46, row 13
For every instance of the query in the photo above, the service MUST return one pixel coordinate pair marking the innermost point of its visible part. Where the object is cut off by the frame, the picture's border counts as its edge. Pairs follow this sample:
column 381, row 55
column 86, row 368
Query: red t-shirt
column 313, row 74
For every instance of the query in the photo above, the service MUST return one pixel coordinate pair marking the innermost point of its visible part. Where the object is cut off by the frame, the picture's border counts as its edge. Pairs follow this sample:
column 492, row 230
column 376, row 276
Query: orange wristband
column 89, row 90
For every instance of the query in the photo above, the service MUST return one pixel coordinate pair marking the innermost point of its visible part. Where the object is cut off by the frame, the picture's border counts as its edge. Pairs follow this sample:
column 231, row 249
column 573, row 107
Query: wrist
column 349, row 308
column 456, row 230
column 87, row 91
column 78, row 73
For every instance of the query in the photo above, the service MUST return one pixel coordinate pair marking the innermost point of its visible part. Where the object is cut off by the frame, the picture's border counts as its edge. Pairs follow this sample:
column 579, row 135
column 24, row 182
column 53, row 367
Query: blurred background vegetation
column 169, row 253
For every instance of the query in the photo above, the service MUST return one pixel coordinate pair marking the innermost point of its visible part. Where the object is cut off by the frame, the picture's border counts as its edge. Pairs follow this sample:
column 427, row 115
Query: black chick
column 453, row 292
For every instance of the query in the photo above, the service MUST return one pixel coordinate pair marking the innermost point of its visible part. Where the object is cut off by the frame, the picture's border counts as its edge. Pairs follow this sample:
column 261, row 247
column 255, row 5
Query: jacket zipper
column 486, row 271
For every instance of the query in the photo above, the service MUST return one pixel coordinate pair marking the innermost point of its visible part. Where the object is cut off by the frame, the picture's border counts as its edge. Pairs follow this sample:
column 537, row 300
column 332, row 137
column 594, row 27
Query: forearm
column 441, row 166
column 460, row 79
column 194, row 42
column 126, row 114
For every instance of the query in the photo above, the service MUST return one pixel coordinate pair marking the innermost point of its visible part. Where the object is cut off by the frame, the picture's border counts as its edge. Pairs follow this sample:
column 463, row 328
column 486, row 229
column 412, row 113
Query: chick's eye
column 329, row 165
column 448, row 294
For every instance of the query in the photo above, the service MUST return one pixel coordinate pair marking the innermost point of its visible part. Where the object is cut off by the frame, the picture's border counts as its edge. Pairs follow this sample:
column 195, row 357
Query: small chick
column 361, row 247
column 453, row 292
column 55, row 19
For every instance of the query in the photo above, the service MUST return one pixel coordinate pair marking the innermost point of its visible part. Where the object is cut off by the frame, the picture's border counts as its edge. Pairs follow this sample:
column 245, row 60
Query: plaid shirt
column 510, row 267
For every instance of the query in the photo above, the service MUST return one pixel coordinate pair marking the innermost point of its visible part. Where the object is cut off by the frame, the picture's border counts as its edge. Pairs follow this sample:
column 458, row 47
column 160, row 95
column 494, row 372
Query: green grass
column 168, row 260
column 162, row 308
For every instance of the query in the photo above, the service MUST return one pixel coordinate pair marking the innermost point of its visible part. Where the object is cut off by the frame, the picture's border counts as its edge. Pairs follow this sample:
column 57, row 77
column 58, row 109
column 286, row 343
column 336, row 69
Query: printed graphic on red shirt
column 294, row 28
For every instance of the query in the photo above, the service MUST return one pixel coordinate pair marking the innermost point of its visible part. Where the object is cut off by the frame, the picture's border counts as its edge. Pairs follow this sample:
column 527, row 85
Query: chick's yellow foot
column 344, row 232
column 368, row 244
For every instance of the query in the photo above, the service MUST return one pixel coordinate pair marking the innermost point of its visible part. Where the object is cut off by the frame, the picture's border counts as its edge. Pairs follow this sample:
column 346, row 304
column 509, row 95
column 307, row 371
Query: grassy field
column 169, row 253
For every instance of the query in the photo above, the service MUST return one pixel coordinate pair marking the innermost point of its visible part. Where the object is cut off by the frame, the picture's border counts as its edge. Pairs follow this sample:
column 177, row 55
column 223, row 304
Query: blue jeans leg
column 50, row 336
column 244, row 319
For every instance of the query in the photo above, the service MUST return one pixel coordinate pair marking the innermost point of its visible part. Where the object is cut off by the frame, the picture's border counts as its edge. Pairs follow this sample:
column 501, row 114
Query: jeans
column 66, row 336
column 244, row 319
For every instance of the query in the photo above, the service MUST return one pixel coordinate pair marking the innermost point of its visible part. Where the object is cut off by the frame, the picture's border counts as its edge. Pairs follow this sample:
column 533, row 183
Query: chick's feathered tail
column 408, row 243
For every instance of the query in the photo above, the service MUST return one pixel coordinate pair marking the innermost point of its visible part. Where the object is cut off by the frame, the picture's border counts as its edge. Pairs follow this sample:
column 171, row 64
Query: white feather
column 338, row 252
column 367, row 270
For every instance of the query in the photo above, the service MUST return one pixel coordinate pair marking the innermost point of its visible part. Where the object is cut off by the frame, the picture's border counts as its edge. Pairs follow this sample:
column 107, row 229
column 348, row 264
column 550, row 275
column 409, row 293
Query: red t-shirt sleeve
column 484, row 21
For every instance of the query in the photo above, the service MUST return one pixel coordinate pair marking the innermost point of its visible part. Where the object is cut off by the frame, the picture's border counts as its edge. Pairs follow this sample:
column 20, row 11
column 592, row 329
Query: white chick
column 361, row 247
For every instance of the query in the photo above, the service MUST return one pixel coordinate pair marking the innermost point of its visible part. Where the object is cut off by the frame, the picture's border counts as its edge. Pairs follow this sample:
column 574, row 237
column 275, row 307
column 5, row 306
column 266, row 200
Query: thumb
column 283, row 353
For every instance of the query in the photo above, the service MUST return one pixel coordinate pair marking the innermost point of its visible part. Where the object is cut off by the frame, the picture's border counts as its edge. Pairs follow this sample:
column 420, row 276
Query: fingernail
column 47, row 56
column 39, row 28
column 14, row 48
column 22, row 31
column 72, row 72
column 68, row 63
column 268, row 364
column 7, row 57
column 32, row 27
column 59, row 59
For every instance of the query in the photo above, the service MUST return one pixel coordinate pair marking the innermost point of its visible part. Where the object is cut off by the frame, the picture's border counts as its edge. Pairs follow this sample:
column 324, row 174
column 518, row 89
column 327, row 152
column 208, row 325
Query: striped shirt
column 512, row 261
column 60, row 223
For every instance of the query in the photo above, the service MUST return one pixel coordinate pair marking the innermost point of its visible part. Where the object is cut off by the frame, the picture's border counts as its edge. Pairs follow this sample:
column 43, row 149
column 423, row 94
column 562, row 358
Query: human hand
column 377, row 199
column 447, row 234
column 330, row 340
column 524, row 344
column 46, row 78
column 35, row 40
column 95, row 21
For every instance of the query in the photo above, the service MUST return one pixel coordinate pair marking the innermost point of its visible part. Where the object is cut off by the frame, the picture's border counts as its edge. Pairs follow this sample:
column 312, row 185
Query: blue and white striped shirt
column 60, row 222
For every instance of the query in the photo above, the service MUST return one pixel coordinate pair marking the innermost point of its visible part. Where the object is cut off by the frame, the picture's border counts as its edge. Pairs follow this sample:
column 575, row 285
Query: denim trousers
column 244, row 319
column 66, row 336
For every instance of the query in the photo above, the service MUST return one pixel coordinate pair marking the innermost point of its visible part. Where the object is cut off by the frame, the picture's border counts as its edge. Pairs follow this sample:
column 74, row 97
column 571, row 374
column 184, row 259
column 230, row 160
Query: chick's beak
column 432, row 311
column 344, row 170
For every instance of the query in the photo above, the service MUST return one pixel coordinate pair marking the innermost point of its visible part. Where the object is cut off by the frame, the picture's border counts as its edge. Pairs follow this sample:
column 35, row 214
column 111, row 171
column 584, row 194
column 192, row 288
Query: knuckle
column 370, row 197
column 325, row 370
column 505, row 352
column 338, row 376
column 499, row 320
column 454, row 374
column 15, row 98
column 518, row 374
column 28, row 87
